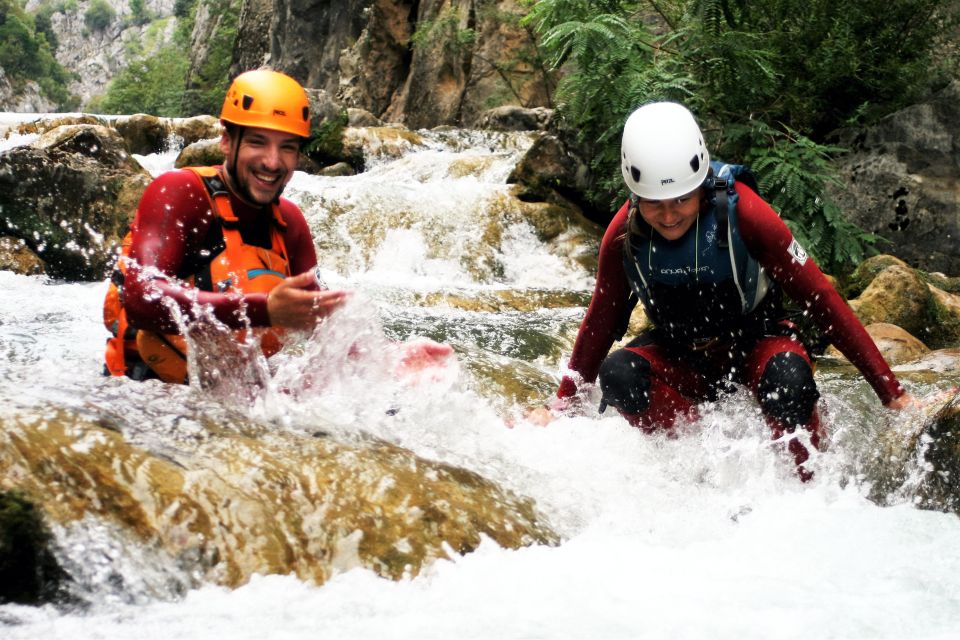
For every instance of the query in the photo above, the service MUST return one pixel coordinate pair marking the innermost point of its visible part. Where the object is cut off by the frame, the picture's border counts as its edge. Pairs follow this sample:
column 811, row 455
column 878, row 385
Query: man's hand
column 296, row 303
column 421, row 354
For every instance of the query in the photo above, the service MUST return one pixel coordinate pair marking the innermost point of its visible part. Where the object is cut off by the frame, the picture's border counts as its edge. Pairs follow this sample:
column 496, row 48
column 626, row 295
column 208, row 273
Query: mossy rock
column 860, row 279
column 29, row 572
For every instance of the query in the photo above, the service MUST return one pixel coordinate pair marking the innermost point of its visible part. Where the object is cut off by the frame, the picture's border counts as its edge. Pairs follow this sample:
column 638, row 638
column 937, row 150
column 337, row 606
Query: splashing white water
column 707, row 535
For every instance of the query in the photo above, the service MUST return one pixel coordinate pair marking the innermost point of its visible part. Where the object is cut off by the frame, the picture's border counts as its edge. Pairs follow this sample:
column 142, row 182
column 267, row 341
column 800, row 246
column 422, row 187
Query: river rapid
column 707, row 535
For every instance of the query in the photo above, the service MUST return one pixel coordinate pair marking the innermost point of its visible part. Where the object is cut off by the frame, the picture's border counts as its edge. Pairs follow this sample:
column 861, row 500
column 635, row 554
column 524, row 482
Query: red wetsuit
column 678, row 379
column 175, row 230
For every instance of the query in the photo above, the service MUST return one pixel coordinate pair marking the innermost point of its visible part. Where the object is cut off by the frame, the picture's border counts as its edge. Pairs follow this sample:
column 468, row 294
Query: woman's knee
column 625, row 381
column 787, row 391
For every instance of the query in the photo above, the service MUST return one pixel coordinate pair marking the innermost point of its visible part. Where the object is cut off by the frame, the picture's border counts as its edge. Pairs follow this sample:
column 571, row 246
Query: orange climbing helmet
column 269, row 100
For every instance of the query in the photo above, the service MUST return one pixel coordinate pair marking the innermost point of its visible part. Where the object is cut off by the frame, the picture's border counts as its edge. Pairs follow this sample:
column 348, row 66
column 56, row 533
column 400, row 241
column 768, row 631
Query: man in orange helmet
column 222, row 240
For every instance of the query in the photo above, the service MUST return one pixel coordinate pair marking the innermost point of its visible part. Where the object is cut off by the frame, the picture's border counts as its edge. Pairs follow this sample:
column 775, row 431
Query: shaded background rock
column 70, row 198
column 16, row 256
column 29, row 571
column 901, row 180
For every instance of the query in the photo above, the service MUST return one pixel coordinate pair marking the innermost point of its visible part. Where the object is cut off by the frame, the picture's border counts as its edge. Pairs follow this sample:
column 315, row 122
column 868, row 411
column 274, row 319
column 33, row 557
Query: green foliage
column 151, row 84
column 768, row 81
column 326, row 139
column 139, row 14
column 42, row 24
column 183, row 8
column 99, row 15
column 208, row 81
column 27, row 55
column 444, row 29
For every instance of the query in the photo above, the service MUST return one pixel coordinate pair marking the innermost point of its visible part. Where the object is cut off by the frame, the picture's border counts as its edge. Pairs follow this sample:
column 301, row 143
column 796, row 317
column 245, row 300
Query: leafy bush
column 767, row 80
column 151, row 84
column 99, row 15
column 27, row 55
column 139, row 14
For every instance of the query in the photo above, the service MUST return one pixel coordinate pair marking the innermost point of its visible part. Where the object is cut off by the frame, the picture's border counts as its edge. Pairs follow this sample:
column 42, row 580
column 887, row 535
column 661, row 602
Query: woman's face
column 673, row 217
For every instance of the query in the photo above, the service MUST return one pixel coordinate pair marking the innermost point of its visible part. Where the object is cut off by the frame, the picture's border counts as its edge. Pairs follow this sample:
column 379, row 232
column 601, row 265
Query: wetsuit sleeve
column 599, row 328
column 172, row 222
column 770, row 242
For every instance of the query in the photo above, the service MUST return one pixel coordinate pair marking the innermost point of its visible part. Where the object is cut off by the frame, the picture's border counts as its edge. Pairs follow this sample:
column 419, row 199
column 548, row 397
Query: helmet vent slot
column 635, row 173
column 695, row 164
column 247, row 102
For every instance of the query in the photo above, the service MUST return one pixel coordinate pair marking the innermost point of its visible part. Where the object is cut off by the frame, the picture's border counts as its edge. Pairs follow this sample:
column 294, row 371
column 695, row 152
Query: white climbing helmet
column 663, row 155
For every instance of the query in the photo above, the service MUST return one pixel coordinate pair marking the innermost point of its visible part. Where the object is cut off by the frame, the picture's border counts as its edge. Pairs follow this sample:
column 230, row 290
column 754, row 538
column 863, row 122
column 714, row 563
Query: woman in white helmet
column 709, row 260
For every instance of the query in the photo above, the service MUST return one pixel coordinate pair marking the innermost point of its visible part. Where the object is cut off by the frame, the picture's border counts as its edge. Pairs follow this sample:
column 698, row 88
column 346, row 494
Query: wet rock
column 70, row 197
column 143, row 134
column 362, row 118
column 549, row 169
column 16, row 256
column 515, row 118
column 390, row 142
column 896, row 296
column 29, row 571
column 203, row 153
column 43, row 125
column 896, row 345
column 863, row 275
column 234, row 500
column 920, row 464
column 190, row 130
column 339, row 169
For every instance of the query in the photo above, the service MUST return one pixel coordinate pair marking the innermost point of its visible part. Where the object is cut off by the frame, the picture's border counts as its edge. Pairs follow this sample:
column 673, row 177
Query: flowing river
column 707, row 535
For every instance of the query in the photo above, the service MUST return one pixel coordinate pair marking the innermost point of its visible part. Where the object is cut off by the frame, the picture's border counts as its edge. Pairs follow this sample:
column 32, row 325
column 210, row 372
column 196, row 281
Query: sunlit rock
column 866, row 271
column 203, row 153
column 234, row 499
column 42, row 125
column 897, row 295
column 895, row 344
column 190, row 130
column 16, row 256
column 390, row 142
column 70, row 197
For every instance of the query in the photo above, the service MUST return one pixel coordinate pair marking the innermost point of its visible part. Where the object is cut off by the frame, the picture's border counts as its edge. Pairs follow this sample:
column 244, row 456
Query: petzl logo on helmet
column 278, row 112
column 666, row 181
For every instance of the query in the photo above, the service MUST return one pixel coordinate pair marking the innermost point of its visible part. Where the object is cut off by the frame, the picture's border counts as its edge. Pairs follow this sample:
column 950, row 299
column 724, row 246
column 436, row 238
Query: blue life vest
column 705, row 285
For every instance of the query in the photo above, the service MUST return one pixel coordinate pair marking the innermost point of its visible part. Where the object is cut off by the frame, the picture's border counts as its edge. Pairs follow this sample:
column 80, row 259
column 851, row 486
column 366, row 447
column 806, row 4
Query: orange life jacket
column 240, row 267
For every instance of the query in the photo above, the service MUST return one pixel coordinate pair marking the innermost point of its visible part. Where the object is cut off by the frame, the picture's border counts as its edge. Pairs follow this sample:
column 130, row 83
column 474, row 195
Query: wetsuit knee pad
column 625, row 382
column 787, row 391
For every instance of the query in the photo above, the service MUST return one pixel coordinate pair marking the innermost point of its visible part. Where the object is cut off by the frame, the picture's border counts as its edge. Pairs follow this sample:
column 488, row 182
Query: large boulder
column 552, row 171
column 891, row 292
column 901, row 180
column 145, row 134
column 70, row 197
column 233, row 500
